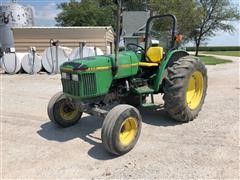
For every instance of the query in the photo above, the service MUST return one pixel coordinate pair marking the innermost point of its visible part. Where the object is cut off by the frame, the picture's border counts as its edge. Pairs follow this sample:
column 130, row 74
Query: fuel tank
column 127, row 65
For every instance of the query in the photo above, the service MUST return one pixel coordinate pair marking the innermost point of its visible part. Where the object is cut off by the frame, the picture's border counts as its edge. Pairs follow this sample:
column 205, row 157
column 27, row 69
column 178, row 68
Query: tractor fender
column 168, row 61
column 175, row 56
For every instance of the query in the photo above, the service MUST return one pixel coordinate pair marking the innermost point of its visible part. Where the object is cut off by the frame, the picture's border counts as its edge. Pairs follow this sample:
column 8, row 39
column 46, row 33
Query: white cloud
column 47, row 12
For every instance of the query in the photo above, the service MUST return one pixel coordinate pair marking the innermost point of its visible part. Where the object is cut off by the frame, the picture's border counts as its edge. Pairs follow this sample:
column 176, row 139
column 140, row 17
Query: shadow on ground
column 83, row 130
column 157, row 116
column 89, row 124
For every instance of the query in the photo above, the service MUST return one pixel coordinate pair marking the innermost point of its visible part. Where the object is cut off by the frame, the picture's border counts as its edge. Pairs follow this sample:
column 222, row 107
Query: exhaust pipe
column 117, row 38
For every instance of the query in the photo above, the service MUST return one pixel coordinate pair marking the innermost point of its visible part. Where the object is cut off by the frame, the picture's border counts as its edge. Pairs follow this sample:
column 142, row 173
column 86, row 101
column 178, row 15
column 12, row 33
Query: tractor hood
column 91, row 77
column 127, row 65
column 87, row 64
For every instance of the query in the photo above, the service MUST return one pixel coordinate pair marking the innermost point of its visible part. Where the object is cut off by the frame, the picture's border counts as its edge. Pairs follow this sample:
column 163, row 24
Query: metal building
column 100, row 37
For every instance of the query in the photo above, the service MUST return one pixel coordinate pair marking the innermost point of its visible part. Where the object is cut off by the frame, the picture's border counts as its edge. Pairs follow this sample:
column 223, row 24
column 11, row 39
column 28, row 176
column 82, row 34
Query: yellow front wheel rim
column 128, row 131
column 67, row 113
column 195, row 90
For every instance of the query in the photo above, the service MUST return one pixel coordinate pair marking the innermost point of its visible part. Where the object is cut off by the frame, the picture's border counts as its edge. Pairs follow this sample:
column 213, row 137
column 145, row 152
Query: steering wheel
column 135, row 48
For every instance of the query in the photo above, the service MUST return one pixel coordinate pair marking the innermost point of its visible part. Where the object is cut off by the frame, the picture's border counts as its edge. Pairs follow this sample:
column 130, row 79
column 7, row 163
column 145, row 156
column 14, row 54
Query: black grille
column 86, row 85
column 71, row 87
column 89, row 84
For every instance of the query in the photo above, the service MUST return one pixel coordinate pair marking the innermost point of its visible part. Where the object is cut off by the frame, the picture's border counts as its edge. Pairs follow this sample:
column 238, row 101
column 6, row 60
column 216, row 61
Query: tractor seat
column 154, row 56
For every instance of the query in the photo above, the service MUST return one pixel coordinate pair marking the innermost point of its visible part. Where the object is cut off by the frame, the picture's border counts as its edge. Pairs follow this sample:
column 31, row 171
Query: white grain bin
column 11, row 62
column 13, row 15
column 53, row 57
column 32, row 64
column 87, row 52
column 16, row 15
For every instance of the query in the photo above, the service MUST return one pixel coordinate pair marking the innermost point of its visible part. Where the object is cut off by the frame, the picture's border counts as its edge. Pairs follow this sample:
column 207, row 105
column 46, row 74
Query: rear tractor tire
column 185, row 88
column 61, row 113
column 121, row 129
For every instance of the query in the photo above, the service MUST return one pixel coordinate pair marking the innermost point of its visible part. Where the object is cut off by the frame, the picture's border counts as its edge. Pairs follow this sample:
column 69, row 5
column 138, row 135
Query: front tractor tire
column 121, row 129
column 61, row 113
column 185, row 88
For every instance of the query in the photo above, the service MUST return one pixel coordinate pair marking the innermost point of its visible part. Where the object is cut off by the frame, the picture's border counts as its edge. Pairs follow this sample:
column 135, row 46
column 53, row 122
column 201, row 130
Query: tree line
column 197, row 19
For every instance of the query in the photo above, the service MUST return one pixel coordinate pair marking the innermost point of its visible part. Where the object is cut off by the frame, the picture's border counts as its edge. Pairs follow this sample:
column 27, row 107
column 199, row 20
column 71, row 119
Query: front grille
column 71, row 87
column 89, row 84
column 86, row 86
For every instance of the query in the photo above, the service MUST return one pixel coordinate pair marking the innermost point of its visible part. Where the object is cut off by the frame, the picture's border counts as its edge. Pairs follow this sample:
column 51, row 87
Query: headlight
column 75, row 77
column 64, row 75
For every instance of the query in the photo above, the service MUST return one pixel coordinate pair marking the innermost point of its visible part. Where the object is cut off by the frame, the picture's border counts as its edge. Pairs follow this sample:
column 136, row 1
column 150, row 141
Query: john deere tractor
column 112, row 86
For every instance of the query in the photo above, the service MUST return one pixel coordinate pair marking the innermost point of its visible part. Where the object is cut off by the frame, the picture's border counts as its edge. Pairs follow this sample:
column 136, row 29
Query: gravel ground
column 32, row 147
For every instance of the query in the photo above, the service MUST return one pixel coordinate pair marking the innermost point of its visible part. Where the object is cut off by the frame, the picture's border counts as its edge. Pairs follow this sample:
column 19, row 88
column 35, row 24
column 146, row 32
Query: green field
column 215, row 48
column 208, row 60
column 223, row 53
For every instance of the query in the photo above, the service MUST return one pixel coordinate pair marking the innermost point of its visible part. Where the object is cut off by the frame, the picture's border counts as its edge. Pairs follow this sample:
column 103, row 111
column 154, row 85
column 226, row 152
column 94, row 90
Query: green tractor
column 112, row 86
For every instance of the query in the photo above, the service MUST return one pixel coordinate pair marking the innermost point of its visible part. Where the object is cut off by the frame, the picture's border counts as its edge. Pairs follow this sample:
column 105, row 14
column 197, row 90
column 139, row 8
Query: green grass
column 215, row 48
column 208, row 60
column 223, row 53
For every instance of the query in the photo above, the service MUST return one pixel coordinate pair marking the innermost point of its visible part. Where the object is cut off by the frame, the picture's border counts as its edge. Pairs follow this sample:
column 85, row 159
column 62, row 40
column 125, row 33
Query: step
column 146, row 105
column 144, row 90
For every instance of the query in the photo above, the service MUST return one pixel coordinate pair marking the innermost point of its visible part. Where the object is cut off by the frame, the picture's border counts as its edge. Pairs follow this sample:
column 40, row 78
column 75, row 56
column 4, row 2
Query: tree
column 134, row 5
column 183, row 10
column 197, row 19
column 92, row 12
column 86, row 13
column 212, row 16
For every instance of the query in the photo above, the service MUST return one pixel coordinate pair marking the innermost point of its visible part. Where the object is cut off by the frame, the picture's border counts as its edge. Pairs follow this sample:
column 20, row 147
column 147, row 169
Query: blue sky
column 46, row 10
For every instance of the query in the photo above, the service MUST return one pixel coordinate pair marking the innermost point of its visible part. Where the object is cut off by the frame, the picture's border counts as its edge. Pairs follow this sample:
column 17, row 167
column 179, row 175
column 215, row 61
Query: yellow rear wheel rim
column 68, row 114
column 195, row 90
column 128, row 131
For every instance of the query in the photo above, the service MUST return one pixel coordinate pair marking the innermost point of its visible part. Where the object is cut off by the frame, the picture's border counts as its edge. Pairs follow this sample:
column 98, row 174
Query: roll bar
column 174, row 28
